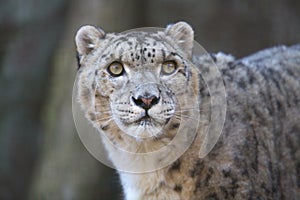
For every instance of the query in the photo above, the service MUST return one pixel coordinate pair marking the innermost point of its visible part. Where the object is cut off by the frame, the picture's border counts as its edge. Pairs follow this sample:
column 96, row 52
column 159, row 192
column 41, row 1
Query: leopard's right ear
column 87, row 39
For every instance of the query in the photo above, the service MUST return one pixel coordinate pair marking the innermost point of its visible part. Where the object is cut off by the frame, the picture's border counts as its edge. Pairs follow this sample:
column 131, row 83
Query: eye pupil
column 115, row 69
column 169, row 67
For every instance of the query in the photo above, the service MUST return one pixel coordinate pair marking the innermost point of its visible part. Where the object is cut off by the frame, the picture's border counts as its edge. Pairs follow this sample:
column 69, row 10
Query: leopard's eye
column 169, row 67
column 115, row 69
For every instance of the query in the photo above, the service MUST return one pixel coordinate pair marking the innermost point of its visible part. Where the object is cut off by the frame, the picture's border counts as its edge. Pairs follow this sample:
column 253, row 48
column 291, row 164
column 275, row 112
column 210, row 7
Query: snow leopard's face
column 138, row 83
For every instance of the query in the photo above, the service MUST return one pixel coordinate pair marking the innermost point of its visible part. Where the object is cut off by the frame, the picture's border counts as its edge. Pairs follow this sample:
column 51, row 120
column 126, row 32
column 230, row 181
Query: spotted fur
column 257, row 156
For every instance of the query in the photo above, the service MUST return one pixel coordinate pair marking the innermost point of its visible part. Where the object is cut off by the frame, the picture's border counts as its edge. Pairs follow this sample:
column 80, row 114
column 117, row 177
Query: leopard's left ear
column 87, row 38
column 183, row 34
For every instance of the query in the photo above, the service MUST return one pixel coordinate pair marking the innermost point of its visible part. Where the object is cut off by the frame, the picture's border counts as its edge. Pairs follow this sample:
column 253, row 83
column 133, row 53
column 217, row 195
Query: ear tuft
column 87, row 38
column 183, row 35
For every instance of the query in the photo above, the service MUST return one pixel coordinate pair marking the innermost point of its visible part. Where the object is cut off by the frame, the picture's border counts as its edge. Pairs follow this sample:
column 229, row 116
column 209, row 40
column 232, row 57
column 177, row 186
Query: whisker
column 107, row 109
column 188, row 109
column 121, row 103
column 185, row 117
column 102, row 112
column 191, row 108
column 104, row 118
column 97, row 105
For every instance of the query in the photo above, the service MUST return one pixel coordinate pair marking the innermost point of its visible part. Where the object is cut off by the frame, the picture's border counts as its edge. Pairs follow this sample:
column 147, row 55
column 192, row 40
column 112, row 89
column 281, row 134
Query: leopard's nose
column 146, row 102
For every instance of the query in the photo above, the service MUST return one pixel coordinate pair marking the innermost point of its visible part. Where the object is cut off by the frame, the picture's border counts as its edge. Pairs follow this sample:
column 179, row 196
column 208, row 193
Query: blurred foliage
column 41, row 156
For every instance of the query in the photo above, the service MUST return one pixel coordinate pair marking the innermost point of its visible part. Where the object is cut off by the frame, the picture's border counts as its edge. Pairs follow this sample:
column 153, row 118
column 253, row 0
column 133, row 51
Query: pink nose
column 146, row 102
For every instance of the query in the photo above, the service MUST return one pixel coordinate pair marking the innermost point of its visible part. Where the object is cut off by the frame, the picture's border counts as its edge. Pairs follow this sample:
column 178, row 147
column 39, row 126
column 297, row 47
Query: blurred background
column 41, row 156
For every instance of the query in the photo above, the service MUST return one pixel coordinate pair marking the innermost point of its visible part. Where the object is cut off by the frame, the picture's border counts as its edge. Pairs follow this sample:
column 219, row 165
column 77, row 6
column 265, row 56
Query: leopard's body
column 258, row 153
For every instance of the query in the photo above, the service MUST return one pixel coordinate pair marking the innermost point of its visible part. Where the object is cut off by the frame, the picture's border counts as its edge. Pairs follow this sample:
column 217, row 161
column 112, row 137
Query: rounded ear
column 87, row 38
column 183, row 35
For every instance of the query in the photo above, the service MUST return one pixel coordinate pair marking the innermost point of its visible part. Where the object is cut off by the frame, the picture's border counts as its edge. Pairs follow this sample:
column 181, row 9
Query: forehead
column 142, row 43
column 139, row 40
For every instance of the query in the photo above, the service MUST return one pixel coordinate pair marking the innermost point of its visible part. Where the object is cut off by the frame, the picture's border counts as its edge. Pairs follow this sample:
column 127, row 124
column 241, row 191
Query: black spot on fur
column 78, row 60
column 231, row 65
column 118, row 43
column 213, row 57
column 175, row 125
column 178, row 187
column 254, row 195
column 251, row 78
column 212, row 196
column 254, row 164
column 163, row 53
column 206, row 180
column 120, row 138
column 245, row 172
column 208, row 177
column 232, row 188
column 198, row 185
column 175, row 165
column 225, row 192
column 104, row 127
column 266, row 190
column 104, row 55
column 289, row 72
column 226, row 173
column 197, row 169
column 92, row 116
column 298, row 173
column 241, row 83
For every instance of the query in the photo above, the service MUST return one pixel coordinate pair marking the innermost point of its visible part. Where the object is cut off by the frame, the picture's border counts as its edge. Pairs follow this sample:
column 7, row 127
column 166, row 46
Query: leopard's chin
column 147, row 120
column 143, row 128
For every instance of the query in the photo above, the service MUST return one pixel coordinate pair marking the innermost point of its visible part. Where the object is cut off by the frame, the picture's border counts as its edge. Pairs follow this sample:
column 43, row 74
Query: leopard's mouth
column 147, row 120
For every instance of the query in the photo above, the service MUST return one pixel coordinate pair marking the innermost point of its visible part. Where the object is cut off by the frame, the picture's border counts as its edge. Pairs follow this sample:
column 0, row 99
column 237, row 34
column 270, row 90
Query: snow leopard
column 137, row 88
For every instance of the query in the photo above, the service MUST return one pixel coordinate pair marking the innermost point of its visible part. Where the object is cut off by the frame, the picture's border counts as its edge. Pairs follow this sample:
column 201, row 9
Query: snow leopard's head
column 140, row 83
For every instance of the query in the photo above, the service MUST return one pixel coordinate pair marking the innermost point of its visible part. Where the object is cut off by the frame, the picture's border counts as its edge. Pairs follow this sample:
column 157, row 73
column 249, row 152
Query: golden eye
column 169, row 67
column 115, row 69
